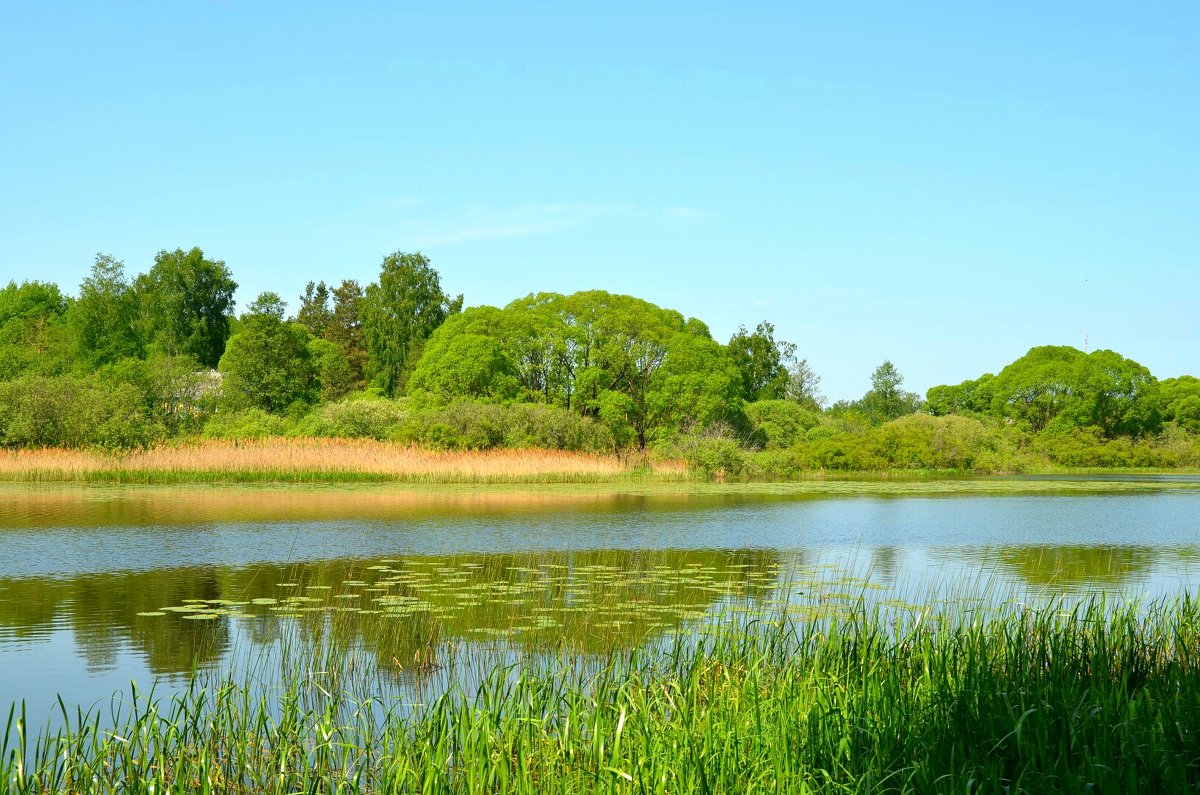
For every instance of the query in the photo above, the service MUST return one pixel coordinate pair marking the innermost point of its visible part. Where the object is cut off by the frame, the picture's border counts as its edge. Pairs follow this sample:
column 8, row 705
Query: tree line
column 135, row 360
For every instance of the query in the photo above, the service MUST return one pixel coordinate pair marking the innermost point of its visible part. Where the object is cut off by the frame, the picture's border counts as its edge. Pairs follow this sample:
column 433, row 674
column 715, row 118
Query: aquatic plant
column 1100, row 696
column 318, row 460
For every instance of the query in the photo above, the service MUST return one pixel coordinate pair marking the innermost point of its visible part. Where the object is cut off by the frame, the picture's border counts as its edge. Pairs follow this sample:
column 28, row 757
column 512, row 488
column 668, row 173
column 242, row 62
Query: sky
column 940, row 185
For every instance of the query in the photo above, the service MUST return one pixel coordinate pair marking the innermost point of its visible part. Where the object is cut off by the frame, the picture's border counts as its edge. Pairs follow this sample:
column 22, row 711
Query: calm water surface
column 101, row 586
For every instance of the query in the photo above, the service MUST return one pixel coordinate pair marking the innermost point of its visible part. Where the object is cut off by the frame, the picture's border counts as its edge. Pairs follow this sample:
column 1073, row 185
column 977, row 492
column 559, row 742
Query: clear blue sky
column 942, row 185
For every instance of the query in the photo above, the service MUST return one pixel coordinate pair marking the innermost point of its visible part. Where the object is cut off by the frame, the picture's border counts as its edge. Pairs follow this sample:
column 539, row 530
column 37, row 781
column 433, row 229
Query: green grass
column 1048, row 699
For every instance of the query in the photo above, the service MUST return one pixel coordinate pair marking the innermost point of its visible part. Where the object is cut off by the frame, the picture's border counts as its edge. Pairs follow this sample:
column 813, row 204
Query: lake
column 103, row 585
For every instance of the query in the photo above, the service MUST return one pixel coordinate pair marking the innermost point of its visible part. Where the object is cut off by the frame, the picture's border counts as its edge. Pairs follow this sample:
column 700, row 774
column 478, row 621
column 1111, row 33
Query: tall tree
column 804, row 385
column 345, row 330
column 886, row 400
column 314, row 310
column 640, row 369
column 33, row 329
column 186, row 305
column 399, row 312
column 103, row 319
column 268, row 363
column 762, row 361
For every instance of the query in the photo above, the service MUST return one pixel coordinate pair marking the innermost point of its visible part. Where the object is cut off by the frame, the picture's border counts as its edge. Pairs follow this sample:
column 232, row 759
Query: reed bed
column 1044, row 699
column 302, row 460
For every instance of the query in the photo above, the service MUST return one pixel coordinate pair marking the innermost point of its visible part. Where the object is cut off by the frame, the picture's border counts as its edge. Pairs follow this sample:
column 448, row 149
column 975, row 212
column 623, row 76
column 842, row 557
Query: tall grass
column 1046, row 699
column 300, row 460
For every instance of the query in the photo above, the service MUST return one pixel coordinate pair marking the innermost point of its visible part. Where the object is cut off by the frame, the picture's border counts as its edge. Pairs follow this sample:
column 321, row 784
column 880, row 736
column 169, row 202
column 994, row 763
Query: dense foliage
column 133, row 361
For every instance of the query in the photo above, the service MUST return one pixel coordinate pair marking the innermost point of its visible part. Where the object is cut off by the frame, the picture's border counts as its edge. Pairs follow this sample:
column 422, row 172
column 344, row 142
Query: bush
column 716, row 457
column 777, row 424
column 69, row 411
column 355, row 418
column 253, row 423
column 177, row 393
column 920, row 441
column 554, row 428
column 469, row 425
column 771, row 465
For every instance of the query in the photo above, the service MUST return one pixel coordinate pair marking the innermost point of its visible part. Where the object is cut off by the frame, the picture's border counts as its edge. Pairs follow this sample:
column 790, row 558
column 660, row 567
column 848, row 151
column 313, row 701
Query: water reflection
column 594, row 601
column 1073, row 567
column 396, row 573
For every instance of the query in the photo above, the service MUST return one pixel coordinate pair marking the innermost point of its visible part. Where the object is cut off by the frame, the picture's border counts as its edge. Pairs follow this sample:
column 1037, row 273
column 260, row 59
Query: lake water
column 103, row 585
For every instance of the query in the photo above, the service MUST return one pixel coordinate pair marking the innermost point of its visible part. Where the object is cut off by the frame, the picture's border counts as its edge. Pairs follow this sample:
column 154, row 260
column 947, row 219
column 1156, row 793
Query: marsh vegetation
column 1019, row 699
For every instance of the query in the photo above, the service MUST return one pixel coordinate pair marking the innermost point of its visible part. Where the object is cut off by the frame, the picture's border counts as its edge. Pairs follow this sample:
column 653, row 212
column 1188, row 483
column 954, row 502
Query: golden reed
column 317, row 458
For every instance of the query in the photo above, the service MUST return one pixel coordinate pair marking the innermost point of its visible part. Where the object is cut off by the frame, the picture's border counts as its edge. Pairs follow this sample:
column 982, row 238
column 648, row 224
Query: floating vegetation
column 594, row 600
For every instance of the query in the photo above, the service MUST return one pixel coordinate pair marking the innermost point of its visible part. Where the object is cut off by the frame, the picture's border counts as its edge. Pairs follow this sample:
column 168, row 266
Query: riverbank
column 350, row 461
column 323, row 461
column 1100, row 697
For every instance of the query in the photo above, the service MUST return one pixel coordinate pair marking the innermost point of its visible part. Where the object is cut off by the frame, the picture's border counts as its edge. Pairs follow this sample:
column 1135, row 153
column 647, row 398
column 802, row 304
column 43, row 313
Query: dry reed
column 318, row 459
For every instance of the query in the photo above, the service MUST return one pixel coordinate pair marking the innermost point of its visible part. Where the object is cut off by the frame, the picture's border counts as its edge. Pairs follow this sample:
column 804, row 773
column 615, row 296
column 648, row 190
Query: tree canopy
column 1057, row 386
column 400, row 312
column 637, row 367
column 186, row 305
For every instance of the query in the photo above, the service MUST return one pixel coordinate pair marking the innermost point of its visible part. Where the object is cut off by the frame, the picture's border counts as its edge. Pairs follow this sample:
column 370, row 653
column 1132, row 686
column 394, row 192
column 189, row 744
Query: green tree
column 400, row 312
column 804, row 385
column 186, row 304
column 762, row 361
column 779, row 424
column 34, row 337
column 465, row 358
column 886, row 400
column 345, row 329
column 1037, row 387
column 103, row 320
column 267, row 363
column 177, row 394
column 642, row 370
column 1116, row 395
column 698, row 386
column 969, row 397
column 1181, row 401
column 1063, row 387
column 333, row 369
column 469, row 365
column 314, row 310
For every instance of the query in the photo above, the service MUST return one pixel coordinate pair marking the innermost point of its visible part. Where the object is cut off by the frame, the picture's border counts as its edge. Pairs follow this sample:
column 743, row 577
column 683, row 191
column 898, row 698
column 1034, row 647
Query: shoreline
column 331, row 461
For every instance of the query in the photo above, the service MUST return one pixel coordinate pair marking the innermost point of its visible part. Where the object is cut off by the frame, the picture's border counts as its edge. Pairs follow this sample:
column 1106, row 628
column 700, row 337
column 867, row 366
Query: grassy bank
column 1028, row 700
column 331, row 460
column 322, row 460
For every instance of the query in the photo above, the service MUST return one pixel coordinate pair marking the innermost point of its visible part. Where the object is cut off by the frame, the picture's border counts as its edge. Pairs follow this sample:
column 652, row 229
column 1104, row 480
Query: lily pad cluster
column 544, row 601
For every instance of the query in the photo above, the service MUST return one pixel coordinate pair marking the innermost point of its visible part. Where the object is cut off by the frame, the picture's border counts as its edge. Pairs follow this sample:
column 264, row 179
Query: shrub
column 778, row 424
column 470, row 425
column 252, row 423
column 355, row 418
column 70, row 411
column 920, row 441
column 716, row 458
column 555, row 428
